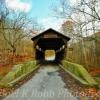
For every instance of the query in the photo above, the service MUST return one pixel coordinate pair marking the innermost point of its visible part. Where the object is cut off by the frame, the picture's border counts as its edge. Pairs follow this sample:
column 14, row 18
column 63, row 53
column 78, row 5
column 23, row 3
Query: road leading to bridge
column 45, row 85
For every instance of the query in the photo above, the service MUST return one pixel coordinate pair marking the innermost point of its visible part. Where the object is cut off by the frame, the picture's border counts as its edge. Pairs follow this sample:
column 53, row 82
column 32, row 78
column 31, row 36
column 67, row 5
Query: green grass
column 97, row 79
column 1, row 77
column 79, row 73
column 19, row 71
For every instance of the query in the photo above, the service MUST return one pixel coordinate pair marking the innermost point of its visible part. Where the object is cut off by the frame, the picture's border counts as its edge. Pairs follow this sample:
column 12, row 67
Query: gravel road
column 45, row 85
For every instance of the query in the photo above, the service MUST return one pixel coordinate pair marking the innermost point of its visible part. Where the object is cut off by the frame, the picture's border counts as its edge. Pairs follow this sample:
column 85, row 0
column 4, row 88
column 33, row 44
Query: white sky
column 47, row 22
column 74, row 2
column 18, row 5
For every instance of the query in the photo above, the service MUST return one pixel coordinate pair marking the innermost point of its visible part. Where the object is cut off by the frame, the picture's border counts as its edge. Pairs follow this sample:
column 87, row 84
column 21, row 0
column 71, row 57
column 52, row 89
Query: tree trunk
column 13, row 55
column 85, row 55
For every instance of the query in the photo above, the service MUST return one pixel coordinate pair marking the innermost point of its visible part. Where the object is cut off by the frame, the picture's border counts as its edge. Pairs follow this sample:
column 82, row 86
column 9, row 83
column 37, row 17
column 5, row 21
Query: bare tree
column 14, row 27
column 86, row 16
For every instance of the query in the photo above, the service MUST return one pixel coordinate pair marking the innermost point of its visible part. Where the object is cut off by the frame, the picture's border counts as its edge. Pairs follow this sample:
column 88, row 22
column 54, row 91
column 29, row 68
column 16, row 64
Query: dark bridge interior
column 50, row 44
column 50, row 40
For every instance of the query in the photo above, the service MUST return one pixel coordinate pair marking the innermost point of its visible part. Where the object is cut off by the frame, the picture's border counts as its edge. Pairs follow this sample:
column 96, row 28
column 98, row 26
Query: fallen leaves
column 3, row 92
column 91, row 91
column 79, row 90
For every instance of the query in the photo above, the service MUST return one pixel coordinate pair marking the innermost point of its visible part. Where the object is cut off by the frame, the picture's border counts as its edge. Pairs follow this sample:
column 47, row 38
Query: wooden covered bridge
column 50, row 40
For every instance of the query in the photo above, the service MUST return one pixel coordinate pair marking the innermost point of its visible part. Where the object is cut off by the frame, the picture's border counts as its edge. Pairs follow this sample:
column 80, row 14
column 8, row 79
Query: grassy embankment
column 18, row 72
column 79, row 73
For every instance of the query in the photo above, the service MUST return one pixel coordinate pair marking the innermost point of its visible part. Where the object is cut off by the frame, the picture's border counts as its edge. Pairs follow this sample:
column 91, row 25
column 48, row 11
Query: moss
column 9, row 77
column 97, row 79
column 79, row 71
column 1, row 77
column 18, row 71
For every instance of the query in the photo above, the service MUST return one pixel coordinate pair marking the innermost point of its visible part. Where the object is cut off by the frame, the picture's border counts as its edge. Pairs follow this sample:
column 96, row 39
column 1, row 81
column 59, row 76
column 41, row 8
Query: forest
column 82, row 25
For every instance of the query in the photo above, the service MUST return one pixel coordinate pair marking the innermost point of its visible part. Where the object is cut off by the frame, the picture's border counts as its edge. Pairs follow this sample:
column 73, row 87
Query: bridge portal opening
column 50, row 44
column 44, row 45
column 50, row 55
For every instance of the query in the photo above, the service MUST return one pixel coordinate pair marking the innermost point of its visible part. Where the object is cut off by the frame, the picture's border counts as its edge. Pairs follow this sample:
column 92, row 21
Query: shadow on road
column 49, row 62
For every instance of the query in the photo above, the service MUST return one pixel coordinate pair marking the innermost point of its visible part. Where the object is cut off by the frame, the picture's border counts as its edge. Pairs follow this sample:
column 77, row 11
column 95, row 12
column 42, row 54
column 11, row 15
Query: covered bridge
column 50, row 40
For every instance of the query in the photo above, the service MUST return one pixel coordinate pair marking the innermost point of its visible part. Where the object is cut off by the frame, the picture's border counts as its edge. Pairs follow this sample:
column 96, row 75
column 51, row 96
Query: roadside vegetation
column 79, row 73
column 18, row 72
column 16, row 29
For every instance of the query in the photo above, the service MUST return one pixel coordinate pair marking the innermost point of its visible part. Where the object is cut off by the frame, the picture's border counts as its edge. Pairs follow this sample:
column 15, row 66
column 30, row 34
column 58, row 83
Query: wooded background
column 82, row 25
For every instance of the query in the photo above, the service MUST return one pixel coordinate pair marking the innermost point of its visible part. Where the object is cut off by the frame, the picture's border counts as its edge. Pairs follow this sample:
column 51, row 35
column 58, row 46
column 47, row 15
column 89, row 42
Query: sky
column 39, row 9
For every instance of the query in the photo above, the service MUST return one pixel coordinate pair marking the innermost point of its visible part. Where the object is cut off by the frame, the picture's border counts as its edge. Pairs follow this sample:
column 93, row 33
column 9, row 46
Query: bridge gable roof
column 50, row 30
